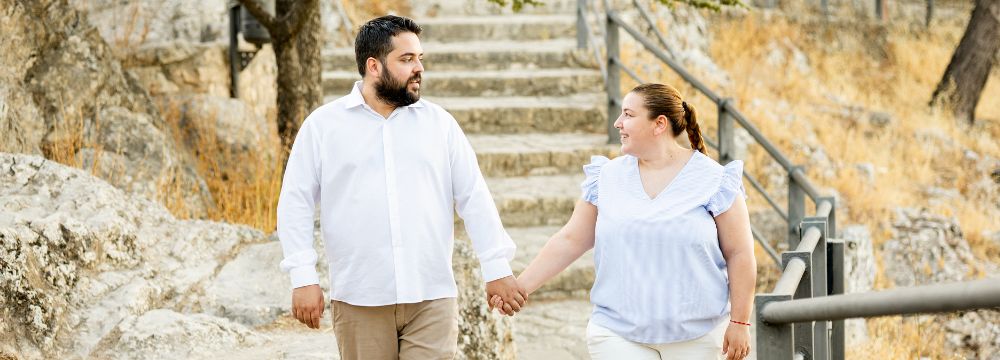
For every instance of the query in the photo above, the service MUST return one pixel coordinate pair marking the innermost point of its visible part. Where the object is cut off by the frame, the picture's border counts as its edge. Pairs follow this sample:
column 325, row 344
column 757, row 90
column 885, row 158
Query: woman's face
column 637, row 131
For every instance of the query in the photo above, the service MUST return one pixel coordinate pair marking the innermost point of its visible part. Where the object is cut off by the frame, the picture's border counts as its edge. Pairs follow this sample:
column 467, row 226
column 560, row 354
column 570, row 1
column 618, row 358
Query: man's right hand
column 308, row 305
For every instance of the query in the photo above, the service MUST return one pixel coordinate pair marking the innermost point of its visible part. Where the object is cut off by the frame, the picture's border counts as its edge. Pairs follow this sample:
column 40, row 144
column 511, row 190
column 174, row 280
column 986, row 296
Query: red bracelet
column 739, row 322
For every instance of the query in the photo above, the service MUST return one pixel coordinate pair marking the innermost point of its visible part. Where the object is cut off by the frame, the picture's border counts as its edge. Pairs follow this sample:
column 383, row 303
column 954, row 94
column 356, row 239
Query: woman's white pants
column 606, row 345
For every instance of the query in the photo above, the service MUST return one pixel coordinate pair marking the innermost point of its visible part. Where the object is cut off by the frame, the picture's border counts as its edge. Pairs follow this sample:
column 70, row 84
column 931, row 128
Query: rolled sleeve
column 303, row 276
column 496, row 269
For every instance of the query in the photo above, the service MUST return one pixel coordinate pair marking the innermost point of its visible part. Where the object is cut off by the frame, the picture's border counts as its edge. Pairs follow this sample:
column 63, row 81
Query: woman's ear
column 661, row 125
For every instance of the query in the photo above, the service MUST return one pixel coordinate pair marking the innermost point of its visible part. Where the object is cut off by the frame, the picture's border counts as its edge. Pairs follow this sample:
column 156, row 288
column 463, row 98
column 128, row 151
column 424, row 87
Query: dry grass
column 244, row 185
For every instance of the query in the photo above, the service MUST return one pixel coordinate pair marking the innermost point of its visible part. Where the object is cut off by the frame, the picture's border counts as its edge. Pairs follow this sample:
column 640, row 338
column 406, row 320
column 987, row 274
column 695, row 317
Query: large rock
column 63, row 82
column 190, row 68
column 481, row 334
column 225, row 131
column 132, row 23
column 928, row 248
column 79, row 256
column 165, row 334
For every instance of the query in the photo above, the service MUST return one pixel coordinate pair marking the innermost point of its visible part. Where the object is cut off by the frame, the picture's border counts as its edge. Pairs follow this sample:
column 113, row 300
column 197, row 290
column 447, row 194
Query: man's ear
column 373, row 67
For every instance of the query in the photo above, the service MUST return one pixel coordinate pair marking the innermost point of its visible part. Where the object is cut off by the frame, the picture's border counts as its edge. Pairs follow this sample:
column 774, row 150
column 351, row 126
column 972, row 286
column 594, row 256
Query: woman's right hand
column 496, row 302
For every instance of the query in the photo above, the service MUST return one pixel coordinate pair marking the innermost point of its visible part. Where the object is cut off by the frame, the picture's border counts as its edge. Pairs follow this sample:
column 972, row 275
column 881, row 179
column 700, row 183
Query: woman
column 674, row 261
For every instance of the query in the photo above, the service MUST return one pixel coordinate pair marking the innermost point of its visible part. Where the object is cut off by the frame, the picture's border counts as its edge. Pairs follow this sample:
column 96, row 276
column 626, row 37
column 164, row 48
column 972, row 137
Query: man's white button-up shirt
column 387, row 189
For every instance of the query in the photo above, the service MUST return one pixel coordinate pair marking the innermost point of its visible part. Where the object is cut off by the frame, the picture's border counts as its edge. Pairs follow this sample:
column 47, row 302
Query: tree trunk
column 966, row 75
column 300, row 89
column 296, row 32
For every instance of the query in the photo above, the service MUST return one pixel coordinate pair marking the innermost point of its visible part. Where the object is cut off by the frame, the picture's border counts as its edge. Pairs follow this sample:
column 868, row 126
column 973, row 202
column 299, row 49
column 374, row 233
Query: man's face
column 399, row 80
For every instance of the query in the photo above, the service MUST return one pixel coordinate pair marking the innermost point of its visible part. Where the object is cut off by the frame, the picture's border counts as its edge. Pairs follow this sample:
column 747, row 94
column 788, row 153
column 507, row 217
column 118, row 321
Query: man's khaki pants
column 424, row 330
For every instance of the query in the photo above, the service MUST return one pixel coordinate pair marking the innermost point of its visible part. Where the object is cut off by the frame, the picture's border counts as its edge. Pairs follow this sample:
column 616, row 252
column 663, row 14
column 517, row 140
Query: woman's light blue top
column 660, row 274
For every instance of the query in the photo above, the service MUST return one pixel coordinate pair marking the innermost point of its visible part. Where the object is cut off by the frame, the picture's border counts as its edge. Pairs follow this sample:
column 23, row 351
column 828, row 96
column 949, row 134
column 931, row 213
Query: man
column 388, row 170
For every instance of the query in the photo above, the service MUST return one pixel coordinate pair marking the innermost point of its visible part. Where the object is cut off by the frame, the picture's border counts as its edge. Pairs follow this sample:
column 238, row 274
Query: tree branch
column 260, row 13
column 285, row 27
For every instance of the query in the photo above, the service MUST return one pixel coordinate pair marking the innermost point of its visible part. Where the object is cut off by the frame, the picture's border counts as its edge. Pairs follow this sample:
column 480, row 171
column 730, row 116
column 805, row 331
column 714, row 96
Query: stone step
column 510, row 27
column 575, row 281
column 483, row 55
column 537, row 82
column 535, row 200
column 576, row 113
column 537, row 154
column 584, row 113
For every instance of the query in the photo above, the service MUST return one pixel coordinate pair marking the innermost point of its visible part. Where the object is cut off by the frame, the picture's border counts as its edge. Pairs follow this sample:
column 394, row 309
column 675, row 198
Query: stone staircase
column 533, row 107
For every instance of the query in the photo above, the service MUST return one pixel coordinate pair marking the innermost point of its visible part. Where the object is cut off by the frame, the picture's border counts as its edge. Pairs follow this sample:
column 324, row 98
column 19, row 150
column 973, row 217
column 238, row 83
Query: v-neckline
column 642, row 189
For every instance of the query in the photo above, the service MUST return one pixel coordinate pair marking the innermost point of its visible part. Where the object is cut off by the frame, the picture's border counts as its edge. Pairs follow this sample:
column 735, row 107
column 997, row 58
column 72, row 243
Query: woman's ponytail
column 694, row 132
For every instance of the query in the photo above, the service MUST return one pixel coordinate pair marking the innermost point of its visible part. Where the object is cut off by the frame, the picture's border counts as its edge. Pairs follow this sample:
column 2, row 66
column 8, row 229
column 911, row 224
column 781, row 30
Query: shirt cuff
column 303, row 276
column 496, row 269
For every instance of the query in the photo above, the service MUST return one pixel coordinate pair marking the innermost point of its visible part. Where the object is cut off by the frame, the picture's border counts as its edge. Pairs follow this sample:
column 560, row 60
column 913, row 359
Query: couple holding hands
column 673, row 252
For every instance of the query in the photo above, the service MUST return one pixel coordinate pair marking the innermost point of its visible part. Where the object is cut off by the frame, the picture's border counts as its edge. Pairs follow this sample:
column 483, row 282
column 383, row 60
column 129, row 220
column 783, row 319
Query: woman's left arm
column 736, row 242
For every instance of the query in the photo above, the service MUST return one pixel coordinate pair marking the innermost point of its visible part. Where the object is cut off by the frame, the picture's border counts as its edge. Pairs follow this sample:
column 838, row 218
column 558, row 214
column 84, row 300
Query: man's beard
column 394, row 92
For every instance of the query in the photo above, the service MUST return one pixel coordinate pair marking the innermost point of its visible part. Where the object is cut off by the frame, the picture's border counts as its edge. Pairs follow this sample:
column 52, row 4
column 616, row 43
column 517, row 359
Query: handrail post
column 234, row 55
column 803, row 331
column 821, row 329
column 831, row 221
column 726, row 127
column 581, row 28
column 796, row 207
column 774, row 341
column 614, row 77
column 835, row 261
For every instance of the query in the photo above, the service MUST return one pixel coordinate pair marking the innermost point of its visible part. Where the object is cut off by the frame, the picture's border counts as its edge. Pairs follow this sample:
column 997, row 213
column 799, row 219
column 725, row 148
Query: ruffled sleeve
column 593, row 173
column 731, row 186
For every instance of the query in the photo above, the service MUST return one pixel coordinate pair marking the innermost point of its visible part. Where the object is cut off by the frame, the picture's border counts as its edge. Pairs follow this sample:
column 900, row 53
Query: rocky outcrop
column 481, row 334
column 927, row 248
column 80, row 256
column 137, row 22
column 65, row 90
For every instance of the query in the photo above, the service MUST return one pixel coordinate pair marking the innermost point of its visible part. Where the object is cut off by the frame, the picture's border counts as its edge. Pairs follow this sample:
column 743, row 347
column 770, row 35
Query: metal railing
column 803, row 316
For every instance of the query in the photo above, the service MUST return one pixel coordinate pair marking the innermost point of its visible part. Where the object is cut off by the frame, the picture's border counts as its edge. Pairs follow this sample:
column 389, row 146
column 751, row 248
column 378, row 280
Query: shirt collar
column 355, row 99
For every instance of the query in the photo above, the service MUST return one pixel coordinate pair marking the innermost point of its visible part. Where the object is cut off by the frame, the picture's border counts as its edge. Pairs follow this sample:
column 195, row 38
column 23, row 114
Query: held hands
column 308, row 305
column 736, row 344
column 506, row 295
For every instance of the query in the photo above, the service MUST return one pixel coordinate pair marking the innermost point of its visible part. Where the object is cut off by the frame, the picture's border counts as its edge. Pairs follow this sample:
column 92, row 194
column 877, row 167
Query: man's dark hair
column 375, row 38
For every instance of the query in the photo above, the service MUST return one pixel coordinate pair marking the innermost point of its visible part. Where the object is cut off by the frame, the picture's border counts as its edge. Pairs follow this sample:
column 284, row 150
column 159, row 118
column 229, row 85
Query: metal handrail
column 659, row 53
column 766, row 245
column 656, row 31
column 809, row 240
column 936, row 298
column 627, row 71
column 585, row 36
column 790, row 277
